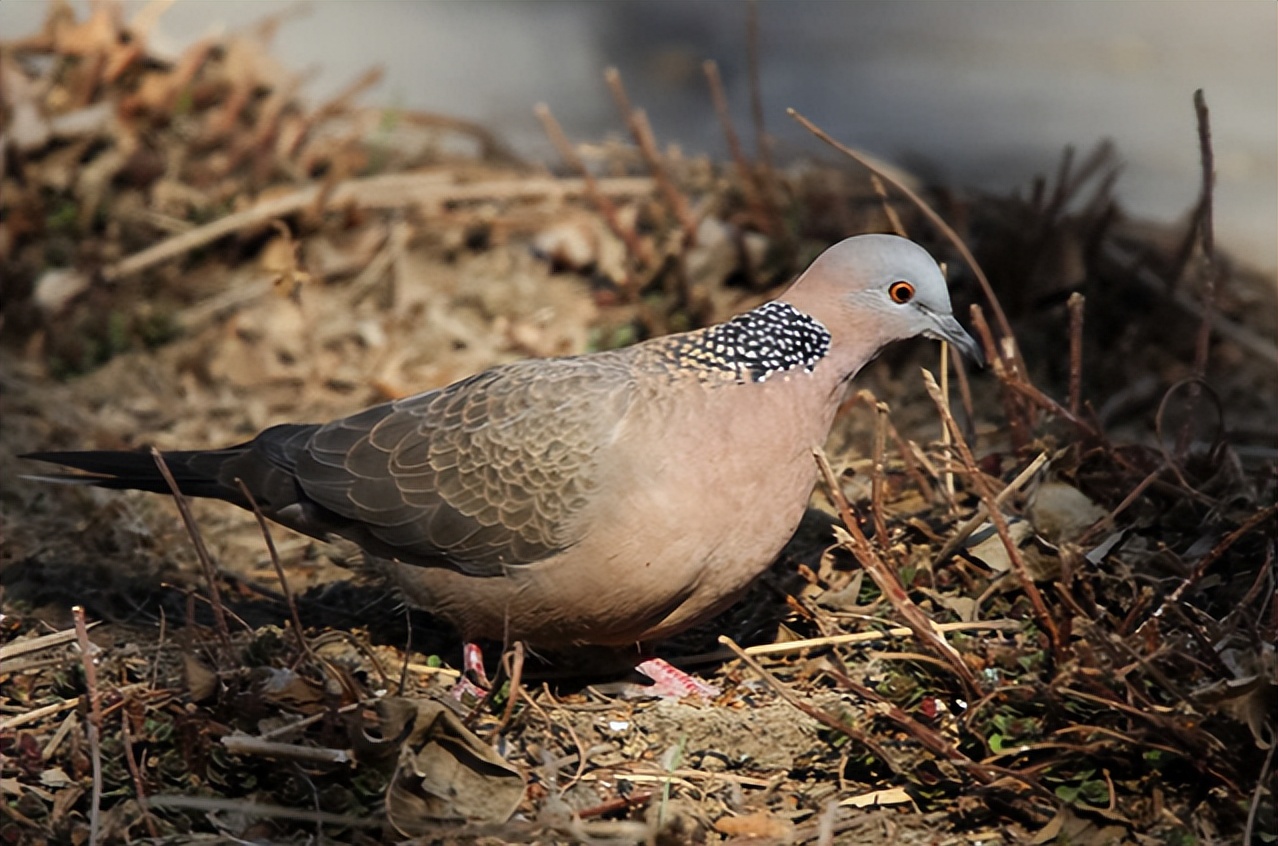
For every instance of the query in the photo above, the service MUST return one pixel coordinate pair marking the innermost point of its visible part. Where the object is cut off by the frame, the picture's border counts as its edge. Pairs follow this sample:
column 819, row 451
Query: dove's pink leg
column 472, row 668
column 670, row 682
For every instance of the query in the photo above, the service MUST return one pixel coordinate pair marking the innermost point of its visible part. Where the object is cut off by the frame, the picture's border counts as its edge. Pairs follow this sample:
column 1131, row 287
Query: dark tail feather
column 196, row 472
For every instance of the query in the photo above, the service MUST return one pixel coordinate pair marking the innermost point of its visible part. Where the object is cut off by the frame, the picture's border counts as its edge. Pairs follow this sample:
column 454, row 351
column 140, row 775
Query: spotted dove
column 611, row 498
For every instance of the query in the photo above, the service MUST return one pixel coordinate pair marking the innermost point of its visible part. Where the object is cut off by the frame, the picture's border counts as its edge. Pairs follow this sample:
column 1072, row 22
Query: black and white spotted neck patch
column 771, row 339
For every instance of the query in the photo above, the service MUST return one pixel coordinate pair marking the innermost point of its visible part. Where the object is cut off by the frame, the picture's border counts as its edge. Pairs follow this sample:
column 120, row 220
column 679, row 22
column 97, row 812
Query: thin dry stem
column 791, row 646
column 890, row 585
column 1253, row 807
column 1247, row 339
column 965, row 396
column 1076, row 303
column 95, row 721
column 876, row 474
column 279, row 568
column 945, row 229
column 926, row 463
column 514, row 664
column 760, row 211
column 9, row 651
column 979, row 482
column 1207, row 230
column 936, row 742
column 243, row 744
column 1005, row 371
column 262, row 810
column 948, row 478
column 601, row 202
column 637, row 123
column 812, row 711
column 894, row 219
column 974, row 522
column 138, row 786
column 201, row 551
column 763, row 142
column 1214, row 555
column 911, row 463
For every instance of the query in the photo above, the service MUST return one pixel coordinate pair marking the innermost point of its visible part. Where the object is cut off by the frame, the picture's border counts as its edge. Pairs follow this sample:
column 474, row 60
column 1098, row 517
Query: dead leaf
column 1040, row 558
column 878, row 798
column 1069, row 827
column 986, row 546
column 445, row 773
column 1061, row 512
column 760, row 824
column 201, row 682
column 56, row 287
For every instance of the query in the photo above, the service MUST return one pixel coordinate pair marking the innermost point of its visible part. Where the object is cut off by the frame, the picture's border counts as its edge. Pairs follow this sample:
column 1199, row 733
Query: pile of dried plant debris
column 1050, row 620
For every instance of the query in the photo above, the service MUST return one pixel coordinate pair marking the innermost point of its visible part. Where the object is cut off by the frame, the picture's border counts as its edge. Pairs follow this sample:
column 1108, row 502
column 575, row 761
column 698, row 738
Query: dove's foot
column 670, row 682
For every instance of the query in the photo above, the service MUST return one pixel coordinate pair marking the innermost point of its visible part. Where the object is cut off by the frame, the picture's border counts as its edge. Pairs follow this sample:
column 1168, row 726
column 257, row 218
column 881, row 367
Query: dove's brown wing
column 485, row 474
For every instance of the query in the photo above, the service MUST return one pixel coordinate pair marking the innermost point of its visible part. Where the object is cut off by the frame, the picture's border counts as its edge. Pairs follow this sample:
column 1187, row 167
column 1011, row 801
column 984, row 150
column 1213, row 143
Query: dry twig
column 201, row 551
column 298, row 632
column 87, row 650
column 637, row 122
column 1075, row 352
column 979, row 483
column 891, row 587
column 945, row 229
column 811, row 710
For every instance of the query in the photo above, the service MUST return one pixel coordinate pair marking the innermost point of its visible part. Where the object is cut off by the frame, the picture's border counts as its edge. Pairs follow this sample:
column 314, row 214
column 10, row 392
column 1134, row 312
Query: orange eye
column 901, row 292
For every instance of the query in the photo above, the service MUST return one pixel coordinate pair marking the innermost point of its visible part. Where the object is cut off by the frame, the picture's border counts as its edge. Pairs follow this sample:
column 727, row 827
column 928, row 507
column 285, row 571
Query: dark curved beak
column 949, row 329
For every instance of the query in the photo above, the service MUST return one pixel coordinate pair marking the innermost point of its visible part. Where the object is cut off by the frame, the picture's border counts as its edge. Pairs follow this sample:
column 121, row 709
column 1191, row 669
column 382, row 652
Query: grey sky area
column 982, row 93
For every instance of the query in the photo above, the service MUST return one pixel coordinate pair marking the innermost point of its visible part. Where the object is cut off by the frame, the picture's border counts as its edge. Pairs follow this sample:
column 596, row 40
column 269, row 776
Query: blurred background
column 979, row 94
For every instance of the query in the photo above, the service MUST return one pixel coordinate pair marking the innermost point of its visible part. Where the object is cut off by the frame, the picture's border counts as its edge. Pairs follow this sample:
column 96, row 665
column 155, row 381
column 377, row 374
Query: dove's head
column 871, row 290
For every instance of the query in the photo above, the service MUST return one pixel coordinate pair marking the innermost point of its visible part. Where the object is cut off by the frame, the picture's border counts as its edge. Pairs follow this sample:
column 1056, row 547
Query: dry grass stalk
column 867, row 637
column 211, row 804
column 9, row 651
column 87, row 650
column 931, row 214
column 965, row 397
column 1214, row 555
column 1076, row 302
column 948, row 478
column 136, row 774
column 764, row 214
column 974, row 522
column 894, row 219
column 911, row 463
column 1258, row 793
column 201, row 551
column 1173, row 458
column 634, row 247
column 1248, row 339
column 674, row 198
column 513, row 664
column 763, row 142
column 1207, row 233
column 298, row 631
column 641, row 131
column 876, row 475
column 242, row 744
column 922, row 459
column 1014, row 410
column 981, row 486
column 828, row 720
column 890, row 585
column 932, row 740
